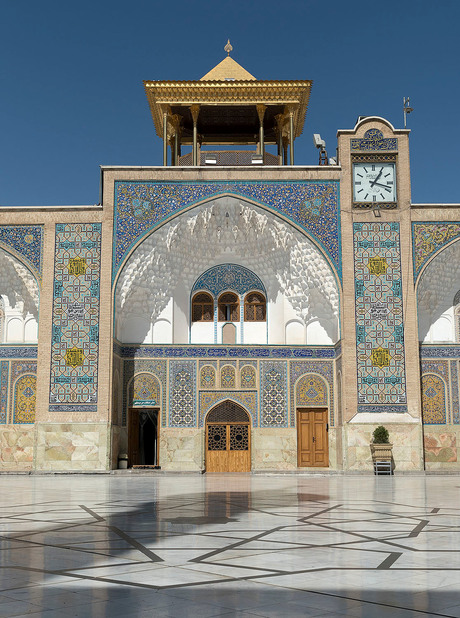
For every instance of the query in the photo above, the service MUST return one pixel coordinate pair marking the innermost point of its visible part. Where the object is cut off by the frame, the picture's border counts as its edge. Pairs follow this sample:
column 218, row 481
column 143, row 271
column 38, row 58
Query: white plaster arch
column 164, row 267
column 436, row 289
column 18, row 285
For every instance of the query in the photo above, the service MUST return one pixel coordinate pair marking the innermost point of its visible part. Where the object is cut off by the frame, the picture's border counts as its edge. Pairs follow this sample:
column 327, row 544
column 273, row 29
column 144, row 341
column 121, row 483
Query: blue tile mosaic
column 16, row 351
column 75, row 325
column 26, row 242
column 132, row 367
column 4, row 372
column 379, row 317
column 439, row 351
column 428, row 238
column 273, row 388
column 228, row 277
column 202, row 351
column 142, row 206
column 182, row 393
column 374, row 141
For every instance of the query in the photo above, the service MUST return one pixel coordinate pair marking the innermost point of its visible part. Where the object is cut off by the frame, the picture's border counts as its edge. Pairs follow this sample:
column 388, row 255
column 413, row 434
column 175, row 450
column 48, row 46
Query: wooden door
column 228, row 447
column 312, row 438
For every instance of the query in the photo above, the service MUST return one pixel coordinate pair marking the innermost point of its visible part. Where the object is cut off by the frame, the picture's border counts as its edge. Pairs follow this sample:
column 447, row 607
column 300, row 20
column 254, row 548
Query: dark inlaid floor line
column 93, row 514
column 390, row 560
column 147, row 552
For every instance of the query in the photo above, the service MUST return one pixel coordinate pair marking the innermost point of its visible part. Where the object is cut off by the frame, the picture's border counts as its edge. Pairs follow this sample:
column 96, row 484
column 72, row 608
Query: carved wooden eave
column 293, row 96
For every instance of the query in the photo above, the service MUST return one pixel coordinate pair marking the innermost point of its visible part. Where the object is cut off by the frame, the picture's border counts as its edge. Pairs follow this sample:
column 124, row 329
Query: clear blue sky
column 72, row 96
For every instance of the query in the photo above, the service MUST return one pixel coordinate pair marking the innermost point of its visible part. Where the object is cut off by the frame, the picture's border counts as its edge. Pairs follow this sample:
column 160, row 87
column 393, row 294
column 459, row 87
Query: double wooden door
column 312, row 437
column 228, row 447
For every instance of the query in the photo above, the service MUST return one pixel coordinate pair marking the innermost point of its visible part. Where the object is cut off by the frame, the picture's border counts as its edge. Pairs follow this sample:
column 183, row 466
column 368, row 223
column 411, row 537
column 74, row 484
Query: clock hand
column 378, row 176
column 379, row 184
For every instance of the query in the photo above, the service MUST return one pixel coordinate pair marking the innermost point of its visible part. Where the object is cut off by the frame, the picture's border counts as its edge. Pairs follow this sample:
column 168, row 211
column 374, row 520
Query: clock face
column 374, row 182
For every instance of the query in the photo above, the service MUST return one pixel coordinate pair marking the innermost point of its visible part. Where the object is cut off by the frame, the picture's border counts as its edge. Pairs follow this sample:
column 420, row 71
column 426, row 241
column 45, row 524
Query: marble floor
column 229, row 545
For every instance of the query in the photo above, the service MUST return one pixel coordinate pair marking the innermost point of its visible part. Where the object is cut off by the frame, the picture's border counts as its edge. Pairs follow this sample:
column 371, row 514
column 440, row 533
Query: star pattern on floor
column 216, row 545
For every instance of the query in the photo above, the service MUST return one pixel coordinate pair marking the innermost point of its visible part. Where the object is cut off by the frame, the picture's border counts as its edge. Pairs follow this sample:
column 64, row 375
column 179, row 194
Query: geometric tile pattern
column 228, row 277
column 311, row 390
column 75, row 338
column 25, row 242
column 141, row 206
column 427, row 238
column 182, row 393
column 379, row 318
column 374, row 140
column 274, row 410
column 300, row 368
column 247, row 399
column 239, row 545
column 433, row 400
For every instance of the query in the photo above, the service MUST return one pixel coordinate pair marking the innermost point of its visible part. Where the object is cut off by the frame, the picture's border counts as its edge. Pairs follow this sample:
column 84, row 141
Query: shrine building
column 233, row 309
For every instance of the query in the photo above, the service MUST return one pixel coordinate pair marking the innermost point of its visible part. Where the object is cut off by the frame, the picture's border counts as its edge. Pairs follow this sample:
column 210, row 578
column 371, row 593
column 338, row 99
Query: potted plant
column 380, row 445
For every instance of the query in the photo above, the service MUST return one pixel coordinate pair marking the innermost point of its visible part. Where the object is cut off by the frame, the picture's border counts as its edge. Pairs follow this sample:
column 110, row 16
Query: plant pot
column 381, row 452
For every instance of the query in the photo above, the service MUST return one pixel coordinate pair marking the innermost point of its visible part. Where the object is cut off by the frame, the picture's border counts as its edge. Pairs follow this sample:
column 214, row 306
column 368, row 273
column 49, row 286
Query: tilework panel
column 22, row 391
column 145, row 390
column 141, row 206
column 228, row 277
column 225, row 352
column 210, row 363
column 4, row 370
column 75, row 338
column 20, row 351
column 207, row 377
column 228, row 377
column 438, row 367
column 132, row 367
column 248, row 377
column 433, row 400
column 182, row 393
column 26, row 242
column 247, row 399
column 311, row 390
column 25, row 398
column 374, row 140
column 379, row 318
column 300, row 368
column 273, row 387
column 454, row 396
column 427, row 238
column 440, row 351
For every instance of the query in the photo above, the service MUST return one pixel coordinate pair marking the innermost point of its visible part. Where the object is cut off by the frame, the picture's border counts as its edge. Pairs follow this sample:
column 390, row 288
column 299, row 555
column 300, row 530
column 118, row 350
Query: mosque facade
column 233, row 310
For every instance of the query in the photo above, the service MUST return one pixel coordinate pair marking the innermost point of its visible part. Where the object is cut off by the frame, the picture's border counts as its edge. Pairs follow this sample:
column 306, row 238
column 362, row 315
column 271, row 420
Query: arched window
column 228, row 308
column 202, row 308
column 255, row 307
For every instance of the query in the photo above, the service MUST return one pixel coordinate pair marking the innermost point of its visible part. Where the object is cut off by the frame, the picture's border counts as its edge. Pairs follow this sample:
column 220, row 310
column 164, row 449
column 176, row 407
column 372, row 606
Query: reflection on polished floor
column 229, row 545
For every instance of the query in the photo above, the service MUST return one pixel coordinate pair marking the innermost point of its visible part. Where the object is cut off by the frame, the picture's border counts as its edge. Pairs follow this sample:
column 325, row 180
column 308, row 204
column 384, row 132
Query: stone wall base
column 17, row 448
column 72, row 447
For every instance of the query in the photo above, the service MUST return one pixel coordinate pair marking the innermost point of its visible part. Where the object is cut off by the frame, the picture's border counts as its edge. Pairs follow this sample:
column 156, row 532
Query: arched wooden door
column 228, row 439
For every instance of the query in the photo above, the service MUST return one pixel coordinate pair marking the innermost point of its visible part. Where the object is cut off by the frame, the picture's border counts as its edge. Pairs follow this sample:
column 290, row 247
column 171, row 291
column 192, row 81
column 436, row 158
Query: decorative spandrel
column 141, row 206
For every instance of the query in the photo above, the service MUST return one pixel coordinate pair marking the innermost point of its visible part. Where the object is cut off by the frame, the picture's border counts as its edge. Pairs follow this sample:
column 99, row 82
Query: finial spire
column 228, row 48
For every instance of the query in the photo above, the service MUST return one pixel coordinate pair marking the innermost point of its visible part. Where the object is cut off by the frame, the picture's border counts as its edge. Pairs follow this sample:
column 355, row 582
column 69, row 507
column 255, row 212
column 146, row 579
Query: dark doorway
column 143, row 436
